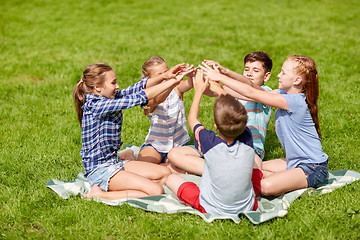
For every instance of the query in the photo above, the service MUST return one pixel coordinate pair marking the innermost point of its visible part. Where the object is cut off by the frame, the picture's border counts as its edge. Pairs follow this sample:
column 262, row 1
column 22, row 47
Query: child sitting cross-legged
column 226, row 186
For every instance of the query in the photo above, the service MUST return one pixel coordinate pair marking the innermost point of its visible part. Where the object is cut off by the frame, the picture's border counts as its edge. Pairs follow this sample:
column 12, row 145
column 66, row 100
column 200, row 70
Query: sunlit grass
column 45, row 45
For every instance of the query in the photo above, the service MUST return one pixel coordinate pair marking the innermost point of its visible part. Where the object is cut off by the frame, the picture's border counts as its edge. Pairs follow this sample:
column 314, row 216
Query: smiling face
column 110, row 86
column 157, row 70
column 287, row 76
column 256, row 72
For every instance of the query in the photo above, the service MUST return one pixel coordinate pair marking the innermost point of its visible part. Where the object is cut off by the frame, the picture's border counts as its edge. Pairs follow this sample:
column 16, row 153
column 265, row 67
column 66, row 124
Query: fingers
column 211, row 62
column 202, row 67
column 176, row 68
column 206, row 80
column 206, row 66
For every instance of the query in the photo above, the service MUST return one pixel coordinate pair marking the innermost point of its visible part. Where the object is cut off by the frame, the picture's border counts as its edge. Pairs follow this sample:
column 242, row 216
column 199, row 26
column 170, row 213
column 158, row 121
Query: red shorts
column 257, row 175
column 189, row 192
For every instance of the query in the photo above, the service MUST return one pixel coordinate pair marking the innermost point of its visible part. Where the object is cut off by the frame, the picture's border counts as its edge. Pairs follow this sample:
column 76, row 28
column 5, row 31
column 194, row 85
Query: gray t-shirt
column 226, row 187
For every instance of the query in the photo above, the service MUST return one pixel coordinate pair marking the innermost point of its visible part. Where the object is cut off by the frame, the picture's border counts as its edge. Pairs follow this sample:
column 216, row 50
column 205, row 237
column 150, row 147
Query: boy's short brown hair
column 230, row 116
column 262, row 57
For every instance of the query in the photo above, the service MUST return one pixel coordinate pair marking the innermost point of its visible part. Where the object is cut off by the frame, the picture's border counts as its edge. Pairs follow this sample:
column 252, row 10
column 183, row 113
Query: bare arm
column 214, row 89
column 185, row 86
column 153, row 91
column 236, row 94
column 231, row 74
column 166, row 75
column 252, row 94
column 199, row 85
column 177, row 72
column 268, row 98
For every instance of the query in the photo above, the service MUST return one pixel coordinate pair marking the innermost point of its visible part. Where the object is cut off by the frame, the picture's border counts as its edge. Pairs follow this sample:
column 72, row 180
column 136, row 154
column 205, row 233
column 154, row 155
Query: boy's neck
column 228, row 140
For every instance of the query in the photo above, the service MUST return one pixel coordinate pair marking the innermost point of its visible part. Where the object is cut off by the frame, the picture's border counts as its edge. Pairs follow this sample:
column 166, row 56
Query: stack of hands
column 205, row 76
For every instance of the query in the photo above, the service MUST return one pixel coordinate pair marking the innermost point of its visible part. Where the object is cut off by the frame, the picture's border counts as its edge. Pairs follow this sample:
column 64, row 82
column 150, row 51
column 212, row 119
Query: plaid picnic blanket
column 168, row 203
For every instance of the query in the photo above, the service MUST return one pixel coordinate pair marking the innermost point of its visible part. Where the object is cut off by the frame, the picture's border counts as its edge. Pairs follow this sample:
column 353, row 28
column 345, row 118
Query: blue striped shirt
column 258, row 120
column 101, row 124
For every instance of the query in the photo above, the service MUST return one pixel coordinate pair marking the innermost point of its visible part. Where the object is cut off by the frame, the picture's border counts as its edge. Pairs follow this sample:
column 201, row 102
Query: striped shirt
column 101, row 124
column 168, row 125
column 258, row 120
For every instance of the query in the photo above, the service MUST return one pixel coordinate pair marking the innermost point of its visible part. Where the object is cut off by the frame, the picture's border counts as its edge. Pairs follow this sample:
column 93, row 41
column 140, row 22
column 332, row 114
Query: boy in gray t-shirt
column 229, row 184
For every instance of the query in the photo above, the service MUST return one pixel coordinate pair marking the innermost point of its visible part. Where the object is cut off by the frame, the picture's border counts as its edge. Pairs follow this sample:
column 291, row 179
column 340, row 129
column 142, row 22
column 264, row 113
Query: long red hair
column 306, row 68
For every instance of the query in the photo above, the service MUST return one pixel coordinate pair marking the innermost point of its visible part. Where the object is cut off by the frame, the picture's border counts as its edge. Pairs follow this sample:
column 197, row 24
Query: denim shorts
column 101, row 175
column 162, row 155
column 315, row 173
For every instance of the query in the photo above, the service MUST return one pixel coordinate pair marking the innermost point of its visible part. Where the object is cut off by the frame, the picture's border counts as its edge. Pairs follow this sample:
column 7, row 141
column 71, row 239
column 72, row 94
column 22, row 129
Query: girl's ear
column 298, row 81
column 216, row 128
column 97, row 89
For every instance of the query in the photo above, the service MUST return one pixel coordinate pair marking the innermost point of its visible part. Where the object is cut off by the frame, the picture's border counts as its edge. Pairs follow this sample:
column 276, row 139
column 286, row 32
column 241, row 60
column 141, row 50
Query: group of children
column 230, row 162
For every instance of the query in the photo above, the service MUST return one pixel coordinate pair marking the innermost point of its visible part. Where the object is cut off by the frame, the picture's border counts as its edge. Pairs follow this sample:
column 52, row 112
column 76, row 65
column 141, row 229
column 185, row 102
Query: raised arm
column 185, row 70
column 153, row 91
column 172, row 72
column 189, row 71
column 231, row 74
column 200, row 85
column 250, row 93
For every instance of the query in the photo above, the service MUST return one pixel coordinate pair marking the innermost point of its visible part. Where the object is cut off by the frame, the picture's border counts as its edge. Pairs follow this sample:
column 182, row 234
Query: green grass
column 45, row 45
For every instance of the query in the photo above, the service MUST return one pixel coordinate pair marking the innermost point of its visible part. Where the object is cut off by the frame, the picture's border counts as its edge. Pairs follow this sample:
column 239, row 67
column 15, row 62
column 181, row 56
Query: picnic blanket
column 168, row 203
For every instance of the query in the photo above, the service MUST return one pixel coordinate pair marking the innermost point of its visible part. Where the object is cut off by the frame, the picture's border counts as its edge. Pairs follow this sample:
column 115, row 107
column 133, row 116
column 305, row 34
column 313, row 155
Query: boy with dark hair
column 257, row 70
column 226, row 186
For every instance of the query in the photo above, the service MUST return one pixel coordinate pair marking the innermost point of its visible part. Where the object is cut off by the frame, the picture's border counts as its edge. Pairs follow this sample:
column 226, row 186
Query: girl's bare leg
column 150, row 171
column 127, row 155
column 150, row 155
column 127, row 185
column 272, row 166
column 282, row 182
column 187, row 159
column 172, row 168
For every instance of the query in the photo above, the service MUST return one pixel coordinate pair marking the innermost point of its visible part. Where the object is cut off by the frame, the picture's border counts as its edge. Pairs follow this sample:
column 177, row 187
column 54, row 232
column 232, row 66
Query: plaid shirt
column 101, row 124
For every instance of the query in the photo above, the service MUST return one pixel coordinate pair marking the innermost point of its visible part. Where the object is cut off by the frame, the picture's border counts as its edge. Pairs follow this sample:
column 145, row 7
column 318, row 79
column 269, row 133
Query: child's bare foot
column 95, row 192
column 127, row 155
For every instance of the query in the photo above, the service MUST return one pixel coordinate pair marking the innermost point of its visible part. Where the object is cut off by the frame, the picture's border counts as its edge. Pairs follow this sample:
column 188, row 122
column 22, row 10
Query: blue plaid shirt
column 101, row 124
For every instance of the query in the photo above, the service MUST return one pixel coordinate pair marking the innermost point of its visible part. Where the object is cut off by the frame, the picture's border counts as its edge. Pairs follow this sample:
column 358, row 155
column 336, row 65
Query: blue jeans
column 316, row 173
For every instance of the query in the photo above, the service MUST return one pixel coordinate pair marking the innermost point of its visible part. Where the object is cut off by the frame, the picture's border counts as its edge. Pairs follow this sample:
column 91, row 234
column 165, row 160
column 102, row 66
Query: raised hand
column 200, row 82
column 214, row 89
column 187, row 70
column 172, row 72
column 216, row 66
column 211, row 73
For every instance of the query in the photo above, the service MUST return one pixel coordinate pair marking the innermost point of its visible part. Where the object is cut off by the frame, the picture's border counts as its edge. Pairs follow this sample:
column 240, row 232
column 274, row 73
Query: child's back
column 226, row 187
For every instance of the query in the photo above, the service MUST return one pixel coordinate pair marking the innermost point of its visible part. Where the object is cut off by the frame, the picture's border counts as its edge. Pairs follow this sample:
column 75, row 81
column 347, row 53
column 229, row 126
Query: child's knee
column 266, row 187
column 156, row 189
column 172, row 154
column 165, row 171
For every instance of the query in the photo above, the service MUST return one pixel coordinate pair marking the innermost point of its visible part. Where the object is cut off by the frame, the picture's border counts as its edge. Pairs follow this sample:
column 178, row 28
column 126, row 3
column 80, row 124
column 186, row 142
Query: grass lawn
column 46, row 44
